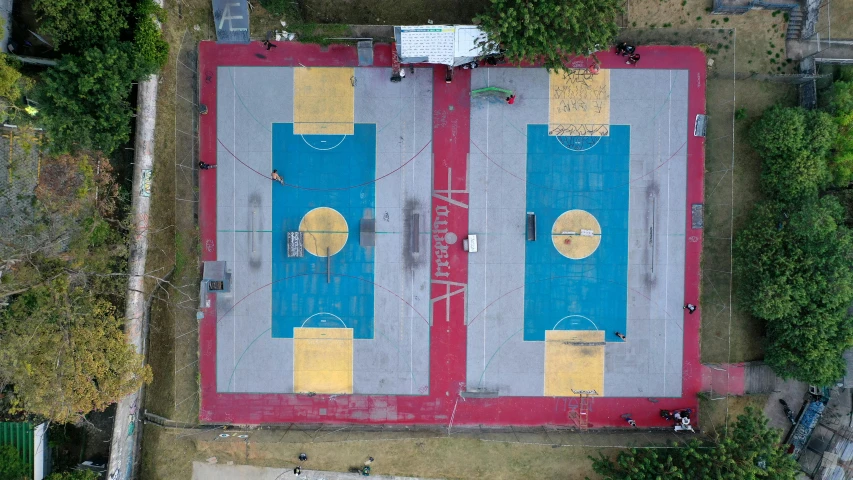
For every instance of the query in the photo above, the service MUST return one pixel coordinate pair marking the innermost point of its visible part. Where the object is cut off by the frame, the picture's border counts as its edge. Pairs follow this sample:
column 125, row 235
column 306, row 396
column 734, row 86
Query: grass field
column 714, row 412
column 727, row 335
column 428, row 457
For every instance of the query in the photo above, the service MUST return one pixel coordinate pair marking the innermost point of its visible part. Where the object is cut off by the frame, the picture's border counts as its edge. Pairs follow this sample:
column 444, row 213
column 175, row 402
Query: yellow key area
column 574, row 363
column 567, row 234
column 322, row 360
column 579, row 103
column 323, row 101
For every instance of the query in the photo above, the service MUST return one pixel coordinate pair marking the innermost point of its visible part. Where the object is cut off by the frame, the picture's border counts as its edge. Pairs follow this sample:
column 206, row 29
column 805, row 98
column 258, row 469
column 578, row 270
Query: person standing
column 621, row 335
column 633, row 59
column 690, row 308
column 276, row 177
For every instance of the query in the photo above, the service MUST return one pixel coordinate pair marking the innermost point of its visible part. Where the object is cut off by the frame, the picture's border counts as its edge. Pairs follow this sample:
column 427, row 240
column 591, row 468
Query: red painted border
column 451, row 131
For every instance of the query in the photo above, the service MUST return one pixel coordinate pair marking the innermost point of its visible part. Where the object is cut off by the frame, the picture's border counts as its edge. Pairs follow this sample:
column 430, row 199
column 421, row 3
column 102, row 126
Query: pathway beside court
column 212, row 471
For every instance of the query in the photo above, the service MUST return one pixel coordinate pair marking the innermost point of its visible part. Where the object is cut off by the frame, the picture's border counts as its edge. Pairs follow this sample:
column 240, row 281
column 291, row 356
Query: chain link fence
column 187, row 256
column 321, row 433
column 724, row 209
column 20, row 159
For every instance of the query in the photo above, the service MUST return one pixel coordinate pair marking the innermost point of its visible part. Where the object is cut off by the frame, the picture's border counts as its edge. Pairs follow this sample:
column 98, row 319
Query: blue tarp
column 803, row 431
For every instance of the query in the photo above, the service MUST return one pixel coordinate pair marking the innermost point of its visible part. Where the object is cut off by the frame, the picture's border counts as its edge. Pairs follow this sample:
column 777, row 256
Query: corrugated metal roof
column 20, row 435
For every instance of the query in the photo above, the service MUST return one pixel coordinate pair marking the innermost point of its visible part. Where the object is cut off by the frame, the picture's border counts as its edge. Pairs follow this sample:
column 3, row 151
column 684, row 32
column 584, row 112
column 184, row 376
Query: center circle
column 325, row 230
column 576, row 234
column 450, row 238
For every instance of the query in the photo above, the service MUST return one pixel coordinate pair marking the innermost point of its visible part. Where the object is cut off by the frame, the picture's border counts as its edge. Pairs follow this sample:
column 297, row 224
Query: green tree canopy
column 84, row 98
column 750, row 451
column 795, row 258
column 107, row 45
column 550, row 31
column 793, row 144
column 810, row 347
column 65, row 352
column 792, row 262
column 82, row 24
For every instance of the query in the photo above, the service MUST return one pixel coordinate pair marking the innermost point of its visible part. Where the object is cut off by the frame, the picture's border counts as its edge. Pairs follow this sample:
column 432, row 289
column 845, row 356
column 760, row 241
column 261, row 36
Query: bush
column 151, row 50
column 288, row 9
column 841, row 107
column 12, row 466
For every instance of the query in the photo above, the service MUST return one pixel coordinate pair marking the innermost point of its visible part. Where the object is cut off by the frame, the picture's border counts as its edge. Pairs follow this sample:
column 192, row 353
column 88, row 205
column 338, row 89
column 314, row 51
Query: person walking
column 205, row 166
column 690, row 308
column 297, row 471
column 633, row 59
column 276, row 177
column 269, row 44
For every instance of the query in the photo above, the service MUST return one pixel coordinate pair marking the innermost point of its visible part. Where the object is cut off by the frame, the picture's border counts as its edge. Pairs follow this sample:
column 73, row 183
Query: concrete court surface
column 579, row 153
column 208, row 471
column 650, row 280
column 325, row 109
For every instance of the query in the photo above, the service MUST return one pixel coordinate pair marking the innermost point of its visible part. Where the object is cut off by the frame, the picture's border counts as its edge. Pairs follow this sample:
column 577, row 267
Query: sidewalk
column 212, row 471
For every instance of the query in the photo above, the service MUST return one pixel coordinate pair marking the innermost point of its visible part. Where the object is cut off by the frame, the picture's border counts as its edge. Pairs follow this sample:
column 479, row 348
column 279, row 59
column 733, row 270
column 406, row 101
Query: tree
column 85, row 98
column 550, row 31
column 809, row 347
column 70, row 224
column 12, row 466
column 792, row 263
column 795, row 258
column 65, row 352
column 82, row 24
column 793, row 144
column 750, row 451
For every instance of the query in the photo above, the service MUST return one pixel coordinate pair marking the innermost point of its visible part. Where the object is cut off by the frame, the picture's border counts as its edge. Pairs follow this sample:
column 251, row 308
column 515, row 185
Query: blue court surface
column 577, row 294
column 332, row 172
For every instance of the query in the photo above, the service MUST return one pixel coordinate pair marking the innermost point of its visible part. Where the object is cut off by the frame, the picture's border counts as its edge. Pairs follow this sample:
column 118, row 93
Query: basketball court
column 322, row 319
column 436, row 255
column 598, row 163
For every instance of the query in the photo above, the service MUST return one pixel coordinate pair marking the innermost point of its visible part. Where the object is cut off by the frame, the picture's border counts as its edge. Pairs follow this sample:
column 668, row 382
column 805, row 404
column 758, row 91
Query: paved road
column 208, row 471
